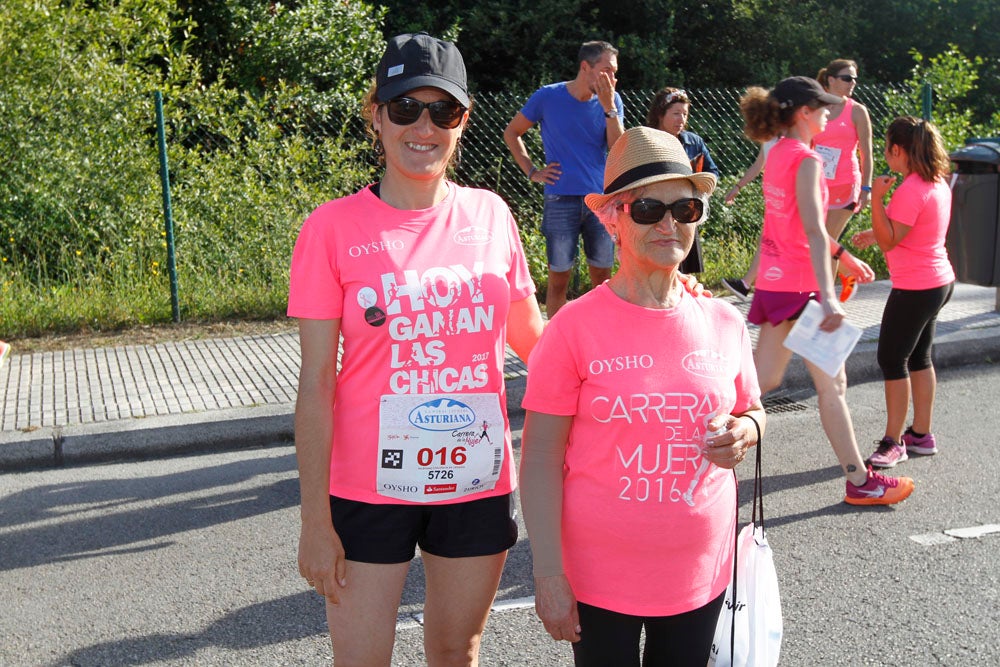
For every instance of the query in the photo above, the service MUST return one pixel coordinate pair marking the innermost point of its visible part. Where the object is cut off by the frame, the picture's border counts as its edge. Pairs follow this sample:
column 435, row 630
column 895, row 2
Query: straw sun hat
column 643, row 156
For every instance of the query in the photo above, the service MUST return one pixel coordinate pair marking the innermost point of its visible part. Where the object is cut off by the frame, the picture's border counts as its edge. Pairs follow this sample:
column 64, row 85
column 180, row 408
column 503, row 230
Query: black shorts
column 390, row 533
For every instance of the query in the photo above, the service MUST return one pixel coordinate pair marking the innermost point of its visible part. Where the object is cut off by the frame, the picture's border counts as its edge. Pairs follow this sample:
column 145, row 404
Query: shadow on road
column 285, row 619
column 63, row 537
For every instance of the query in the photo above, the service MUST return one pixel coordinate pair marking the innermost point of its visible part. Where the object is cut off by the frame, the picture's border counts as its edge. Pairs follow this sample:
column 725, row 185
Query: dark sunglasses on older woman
column 446, row 114
column 651, row 211
column 846, row 78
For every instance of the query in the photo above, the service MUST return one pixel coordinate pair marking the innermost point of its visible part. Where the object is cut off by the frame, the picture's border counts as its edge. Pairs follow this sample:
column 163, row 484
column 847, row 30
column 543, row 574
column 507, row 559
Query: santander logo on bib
column 706, row 363
column 442, row 414
column 473, row 236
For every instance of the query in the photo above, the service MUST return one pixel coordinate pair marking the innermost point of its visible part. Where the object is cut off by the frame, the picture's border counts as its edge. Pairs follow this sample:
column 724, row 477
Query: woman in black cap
column 795, row 267
column 408, row 442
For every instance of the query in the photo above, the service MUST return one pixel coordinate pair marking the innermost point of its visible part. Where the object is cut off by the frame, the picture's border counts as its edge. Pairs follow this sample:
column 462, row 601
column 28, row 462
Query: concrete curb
column 237, row 428
column 149, row 437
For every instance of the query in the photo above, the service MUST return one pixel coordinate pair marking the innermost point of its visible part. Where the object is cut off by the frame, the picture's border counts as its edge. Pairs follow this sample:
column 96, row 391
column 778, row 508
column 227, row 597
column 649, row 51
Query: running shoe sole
column 891, row 495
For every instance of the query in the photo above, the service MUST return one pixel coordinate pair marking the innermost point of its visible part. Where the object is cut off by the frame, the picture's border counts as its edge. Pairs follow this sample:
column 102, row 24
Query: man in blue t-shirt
column 580, row 121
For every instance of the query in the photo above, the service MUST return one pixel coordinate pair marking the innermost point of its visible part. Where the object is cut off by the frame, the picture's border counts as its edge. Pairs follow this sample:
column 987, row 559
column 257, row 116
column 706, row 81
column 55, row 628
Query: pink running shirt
column 647, row 521
column 837, row 145
column 920, row 261
column 785, row 264
column 423, row 298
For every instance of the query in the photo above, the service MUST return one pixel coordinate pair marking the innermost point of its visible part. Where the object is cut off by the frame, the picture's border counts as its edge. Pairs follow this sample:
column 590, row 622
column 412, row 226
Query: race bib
column 435, row 447
column 831, row 158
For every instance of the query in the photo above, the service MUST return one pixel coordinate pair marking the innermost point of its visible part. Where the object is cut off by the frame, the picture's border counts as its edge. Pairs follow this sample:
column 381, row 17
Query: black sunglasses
column 846, row 78
column 651, row 211
column 446, row 114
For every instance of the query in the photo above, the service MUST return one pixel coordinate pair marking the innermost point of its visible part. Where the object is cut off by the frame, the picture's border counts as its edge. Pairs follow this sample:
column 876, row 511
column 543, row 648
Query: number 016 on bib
column 436, row 447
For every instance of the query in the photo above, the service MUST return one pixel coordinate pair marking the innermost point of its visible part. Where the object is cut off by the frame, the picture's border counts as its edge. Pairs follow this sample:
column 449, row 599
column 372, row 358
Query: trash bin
column 973, row 239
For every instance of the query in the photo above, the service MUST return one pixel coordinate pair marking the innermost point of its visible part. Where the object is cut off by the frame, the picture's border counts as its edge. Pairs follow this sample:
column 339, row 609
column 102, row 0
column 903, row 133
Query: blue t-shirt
column 574, row 134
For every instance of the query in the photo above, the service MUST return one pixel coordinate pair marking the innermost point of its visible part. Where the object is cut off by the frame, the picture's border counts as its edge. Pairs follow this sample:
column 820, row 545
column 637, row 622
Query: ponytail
column 833, row 68
column 922, row 143
column 763, row 116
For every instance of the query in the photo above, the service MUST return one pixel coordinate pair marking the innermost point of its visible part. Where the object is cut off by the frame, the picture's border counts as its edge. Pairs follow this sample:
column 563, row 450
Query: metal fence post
column 168, row 215
column 926, row 99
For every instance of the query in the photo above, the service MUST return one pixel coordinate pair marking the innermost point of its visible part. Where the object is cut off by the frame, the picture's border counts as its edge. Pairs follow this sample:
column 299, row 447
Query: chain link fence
column 715, row 116
column 80, row 201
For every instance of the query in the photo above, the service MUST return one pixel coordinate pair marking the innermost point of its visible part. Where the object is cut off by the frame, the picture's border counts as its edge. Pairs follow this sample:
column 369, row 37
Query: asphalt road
column 191, row 560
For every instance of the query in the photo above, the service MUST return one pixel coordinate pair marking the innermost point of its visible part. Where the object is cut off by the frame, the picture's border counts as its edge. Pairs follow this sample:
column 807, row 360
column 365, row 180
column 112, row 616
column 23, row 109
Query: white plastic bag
column 748, row 633
column 758, row 623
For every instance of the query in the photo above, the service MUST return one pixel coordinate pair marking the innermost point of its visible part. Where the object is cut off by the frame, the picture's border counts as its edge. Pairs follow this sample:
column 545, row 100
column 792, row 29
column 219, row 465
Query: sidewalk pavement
column 182, row 396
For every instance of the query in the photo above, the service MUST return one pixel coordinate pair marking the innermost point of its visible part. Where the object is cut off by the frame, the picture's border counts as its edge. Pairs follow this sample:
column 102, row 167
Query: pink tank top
column 785, row 262
column 838, row 146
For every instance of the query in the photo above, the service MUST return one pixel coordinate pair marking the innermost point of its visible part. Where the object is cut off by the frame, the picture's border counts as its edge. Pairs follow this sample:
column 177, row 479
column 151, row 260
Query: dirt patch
column 150, row 335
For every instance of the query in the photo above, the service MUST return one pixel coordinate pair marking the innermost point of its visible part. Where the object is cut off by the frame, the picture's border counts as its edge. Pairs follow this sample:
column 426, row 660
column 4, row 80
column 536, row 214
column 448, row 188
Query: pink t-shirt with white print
column 423, row 298
column 920, row 261
column 785, row 262
column 647, row 523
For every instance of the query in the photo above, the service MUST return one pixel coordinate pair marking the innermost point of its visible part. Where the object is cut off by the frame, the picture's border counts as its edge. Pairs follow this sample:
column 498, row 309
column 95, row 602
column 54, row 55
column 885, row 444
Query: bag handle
column 758, row 500
column 758, row 484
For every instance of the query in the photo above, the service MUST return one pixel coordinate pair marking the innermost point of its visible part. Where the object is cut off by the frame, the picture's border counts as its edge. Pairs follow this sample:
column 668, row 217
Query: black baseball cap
column 798, row 90
column 417, row 60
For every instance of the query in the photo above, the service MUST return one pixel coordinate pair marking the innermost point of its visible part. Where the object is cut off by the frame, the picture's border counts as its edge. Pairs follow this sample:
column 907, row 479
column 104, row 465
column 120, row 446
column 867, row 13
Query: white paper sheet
column 828, row 350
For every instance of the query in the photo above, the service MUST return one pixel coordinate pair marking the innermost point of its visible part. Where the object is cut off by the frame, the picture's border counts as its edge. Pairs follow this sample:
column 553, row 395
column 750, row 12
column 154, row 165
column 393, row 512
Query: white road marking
column 516, row 603
column 416, row 619
column 930, row 539
column 974, row 531
column 953, row 534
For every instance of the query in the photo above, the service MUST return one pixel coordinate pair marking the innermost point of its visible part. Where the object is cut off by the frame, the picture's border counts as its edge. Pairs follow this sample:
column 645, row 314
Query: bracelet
column 531, row 172
column 840, row 251
column 866, row 188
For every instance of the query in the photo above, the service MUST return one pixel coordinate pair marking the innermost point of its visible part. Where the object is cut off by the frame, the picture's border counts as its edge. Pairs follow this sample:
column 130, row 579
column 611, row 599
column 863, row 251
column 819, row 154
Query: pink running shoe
column 888, row 454
column 925, row 445
column 879, row 490
column 4, row 352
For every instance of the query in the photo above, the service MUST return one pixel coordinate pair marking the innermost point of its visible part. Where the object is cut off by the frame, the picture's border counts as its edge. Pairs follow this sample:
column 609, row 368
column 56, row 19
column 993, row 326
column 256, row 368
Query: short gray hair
column 592, row 51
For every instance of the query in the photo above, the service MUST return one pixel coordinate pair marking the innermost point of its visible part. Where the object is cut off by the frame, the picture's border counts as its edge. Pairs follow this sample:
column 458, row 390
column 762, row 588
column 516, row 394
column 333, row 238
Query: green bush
column 262, row 125
column 82, row 232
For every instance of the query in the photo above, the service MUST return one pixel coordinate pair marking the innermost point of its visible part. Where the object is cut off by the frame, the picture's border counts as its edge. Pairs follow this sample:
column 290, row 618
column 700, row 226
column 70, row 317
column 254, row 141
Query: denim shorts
column 564, row 219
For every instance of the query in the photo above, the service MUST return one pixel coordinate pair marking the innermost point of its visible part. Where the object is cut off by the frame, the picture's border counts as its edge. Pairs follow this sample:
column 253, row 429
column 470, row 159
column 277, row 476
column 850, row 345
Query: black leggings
column 610, row 639
column 907, row 333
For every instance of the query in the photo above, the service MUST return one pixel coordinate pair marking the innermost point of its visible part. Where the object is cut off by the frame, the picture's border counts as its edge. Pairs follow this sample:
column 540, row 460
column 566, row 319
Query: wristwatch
column 610, row 114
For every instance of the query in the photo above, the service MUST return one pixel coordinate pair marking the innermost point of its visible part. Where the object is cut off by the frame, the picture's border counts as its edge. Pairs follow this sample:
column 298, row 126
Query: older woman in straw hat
column 640, row 398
